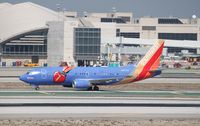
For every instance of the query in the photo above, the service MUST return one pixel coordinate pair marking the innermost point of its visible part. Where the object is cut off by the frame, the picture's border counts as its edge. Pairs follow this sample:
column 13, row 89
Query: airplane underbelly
column 110, row 82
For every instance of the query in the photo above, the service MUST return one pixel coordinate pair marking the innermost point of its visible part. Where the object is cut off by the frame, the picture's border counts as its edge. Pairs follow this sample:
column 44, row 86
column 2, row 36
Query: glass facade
column 125, row 18
column 87, row 43
column 30, row 44
column 130, row 34
column 127, row 34
column 178, row 50
column 116, row 20
column 25, row 50
column 178, row 36
column 169, row 21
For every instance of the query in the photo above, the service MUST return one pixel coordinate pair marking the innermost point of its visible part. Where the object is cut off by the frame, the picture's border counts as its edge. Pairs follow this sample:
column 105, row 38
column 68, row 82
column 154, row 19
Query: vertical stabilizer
column 150, row 62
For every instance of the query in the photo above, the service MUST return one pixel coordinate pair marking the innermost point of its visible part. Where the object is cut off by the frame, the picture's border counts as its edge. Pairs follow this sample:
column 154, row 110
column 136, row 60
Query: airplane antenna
column 114, row 9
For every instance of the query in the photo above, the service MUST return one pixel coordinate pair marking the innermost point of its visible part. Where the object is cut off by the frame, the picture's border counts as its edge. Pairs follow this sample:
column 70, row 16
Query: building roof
column 23, row 17
column 168, row 43
column 4, row 5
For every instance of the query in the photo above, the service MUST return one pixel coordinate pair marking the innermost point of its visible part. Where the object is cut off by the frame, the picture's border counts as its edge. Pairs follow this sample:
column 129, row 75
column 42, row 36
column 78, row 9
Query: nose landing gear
column 93, row 88
column 36, row 87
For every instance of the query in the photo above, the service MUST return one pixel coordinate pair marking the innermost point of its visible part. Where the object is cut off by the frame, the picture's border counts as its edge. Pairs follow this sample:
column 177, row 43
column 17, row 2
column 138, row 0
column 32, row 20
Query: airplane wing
column 152, row 71
column 104, row 81
column 155, row 72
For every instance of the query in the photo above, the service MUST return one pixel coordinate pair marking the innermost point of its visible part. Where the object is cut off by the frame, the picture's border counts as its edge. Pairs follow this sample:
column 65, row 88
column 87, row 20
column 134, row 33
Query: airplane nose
column 22, row 78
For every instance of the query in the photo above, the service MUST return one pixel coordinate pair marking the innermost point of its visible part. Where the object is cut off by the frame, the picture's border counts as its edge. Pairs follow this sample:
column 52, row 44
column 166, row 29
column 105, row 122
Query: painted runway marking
column 95, row 94
column 43, row 92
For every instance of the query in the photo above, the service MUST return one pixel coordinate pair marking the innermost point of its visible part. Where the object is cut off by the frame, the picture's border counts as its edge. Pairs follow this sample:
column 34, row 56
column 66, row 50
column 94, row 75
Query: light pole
column 58, row 9
column 120, row 47
column 109, row 54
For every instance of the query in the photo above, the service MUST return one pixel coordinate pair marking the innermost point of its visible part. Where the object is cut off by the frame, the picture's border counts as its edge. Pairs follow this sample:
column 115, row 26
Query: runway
column 99, row 102
column 60, row 104
column 117, row 104
column 129, row 108
column 28, row 93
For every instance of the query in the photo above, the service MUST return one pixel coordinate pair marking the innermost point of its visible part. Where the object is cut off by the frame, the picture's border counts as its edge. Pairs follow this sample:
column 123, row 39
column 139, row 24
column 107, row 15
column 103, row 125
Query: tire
column 90, row 89
column 37, row 88
column 96, row 88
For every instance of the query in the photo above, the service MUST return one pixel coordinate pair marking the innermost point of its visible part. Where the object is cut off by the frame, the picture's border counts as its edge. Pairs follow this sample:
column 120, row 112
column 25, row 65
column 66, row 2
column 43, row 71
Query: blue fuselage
column 44, row 76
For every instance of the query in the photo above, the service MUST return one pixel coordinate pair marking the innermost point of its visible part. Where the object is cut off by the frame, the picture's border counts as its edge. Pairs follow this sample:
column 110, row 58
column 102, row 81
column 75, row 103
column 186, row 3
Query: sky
column 140, row 8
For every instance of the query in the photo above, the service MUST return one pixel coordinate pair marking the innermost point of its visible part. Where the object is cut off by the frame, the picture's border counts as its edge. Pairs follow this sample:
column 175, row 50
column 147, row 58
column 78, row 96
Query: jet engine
column 81, row 84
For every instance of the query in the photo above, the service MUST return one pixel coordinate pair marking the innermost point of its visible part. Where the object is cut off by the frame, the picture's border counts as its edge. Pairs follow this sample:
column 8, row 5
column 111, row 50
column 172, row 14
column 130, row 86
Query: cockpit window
column 34, row 72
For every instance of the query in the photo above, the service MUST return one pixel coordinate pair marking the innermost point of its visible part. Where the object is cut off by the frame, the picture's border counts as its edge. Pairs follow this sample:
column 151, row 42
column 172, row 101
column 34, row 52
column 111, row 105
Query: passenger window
column 34, row 72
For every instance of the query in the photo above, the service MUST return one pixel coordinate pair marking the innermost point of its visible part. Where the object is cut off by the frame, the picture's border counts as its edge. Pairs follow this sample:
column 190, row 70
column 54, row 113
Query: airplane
column 88, row 78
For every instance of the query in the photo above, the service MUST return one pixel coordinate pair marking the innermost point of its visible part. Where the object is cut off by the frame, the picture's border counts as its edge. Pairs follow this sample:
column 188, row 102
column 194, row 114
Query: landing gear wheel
column 37, row 88
column 96, row 88
column 90, row 89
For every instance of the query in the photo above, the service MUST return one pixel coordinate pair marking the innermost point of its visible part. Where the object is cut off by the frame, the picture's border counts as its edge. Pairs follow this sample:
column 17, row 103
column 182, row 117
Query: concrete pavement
column 128, row 112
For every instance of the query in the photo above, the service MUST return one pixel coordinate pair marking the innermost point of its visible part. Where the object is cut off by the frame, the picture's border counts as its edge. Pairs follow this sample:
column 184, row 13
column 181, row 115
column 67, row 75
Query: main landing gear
column 36, row 87
column 93, row 88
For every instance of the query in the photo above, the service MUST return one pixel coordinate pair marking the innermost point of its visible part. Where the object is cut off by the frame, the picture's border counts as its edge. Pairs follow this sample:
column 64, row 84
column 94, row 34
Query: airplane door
column 43, row 74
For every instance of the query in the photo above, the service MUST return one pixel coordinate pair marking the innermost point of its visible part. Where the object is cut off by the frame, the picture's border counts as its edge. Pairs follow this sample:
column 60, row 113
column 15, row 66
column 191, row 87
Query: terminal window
column 116, row 20
column 178, row 36
column 149, row 28
column 128, row 34
column 179, row 50
column 28, row 44
column 169, row 21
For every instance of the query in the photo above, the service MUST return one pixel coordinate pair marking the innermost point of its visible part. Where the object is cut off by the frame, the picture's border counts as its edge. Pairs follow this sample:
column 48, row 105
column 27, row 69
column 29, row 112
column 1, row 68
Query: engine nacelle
column 81, row 84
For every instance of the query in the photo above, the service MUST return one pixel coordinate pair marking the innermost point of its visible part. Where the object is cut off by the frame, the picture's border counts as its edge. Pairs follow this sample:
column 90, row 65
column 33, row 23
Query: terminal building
column 33, row 33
